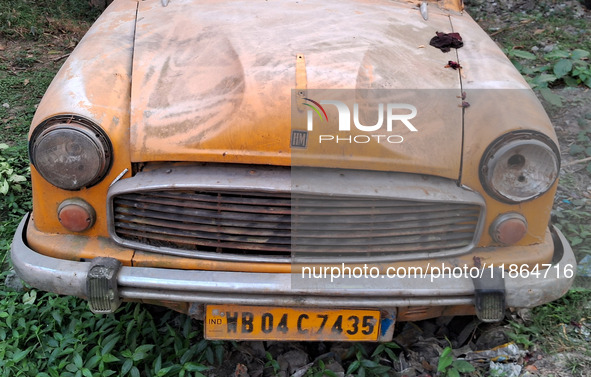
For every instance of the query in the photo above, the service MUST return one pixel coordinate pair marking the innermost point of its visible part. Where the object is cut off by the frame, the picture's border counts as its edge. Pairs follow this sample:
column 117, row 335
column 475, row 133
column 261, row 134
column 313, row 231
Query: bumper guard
column 274, row 289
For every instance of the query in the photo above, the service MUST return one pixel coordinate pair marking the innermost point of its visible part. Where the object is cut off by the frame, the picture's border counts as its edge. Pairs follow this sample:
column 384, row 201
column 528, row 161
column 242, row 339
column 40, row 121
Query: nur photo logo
column 386, row 117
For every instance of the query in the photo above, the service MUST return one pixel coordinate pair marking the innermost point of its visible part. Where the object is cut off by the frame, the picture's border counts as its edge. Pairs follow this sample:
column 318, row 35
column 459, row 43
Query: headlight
column 70, row 152
column 519, row 166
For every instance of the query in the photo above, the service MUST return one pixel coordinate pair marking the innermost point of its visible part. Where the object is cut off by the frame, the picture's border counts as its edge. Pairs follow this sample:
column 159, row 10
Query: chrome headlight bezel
column 519, row 166
column 70, row 152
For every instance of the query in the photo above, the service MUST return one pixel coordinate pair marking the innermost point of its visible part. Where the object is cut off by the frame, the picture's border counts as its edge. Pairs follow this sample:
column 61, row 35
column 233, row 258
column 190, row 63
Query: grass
column 31, row 19
column 572, row 309
column 560, row 327
column 16, row 192
column 58, row 336
column 573, row 220
column 546, row 24
column 31, row 34
column 20, row 91
column 550, row 44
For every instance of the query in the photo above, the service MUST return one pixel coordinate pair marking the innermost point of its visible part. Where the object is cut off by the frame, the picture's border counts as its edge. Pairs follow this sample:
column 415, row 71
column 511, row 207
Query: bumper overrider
column 104, row 282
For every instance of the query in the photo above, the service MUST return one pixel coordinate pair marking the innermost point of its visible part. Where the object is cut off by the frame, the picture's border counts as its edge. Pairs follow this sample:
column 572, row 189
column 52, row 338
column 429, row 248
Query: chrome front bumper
column 275, row 289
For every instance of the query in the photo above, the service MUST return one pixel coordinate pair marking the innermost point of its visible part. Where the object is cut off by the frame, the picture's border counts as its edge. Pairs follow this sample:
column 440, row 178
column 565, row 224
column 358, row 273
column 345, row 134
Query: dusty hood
column 213, row 80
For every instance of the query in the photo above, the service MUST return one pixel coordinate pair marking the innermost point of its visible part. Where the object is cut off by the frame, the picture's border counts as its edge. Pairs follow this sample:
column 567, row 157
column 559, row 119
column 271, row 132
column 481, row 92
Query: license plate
column 239, row 322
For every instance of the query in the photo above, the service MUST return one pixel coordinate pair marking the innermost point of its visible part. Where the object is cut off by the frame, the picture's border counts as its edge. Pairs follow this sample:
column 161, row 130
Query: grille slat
column 375, row 210
column 382, row 249
column 272, row 225
column 197, row 235
column 287, row 248
column 183, row 211
column 140, row 215
column 200, row 220
column 219, row 206
column 205, row 229
column 310, row 232
column 219, row 198
column 195, row 243
column 380, row 241
column 363, row 219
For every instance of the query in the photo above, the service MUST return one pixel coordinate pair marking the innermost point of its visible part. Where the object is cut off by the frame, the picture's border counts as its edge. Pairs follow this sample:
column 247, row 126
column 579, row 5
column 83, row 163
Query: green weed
column 30, row 19
column 544, row 24
column 319, row 370
column 272, row 363
column 522, row 334
column 15, row 193
column 449, row 367
column 559, row 324
column 559, row 67
column 526, row 35
column 51, row 336
column 364, row 365
column 575, row 223
column 21, row 93
column 571, row 66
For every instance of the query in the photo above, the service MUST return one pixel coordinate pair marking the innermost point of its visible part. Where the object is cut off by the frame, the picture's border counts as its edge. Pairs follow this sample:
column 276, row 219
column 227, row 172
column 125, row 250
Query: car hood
column 213, row 81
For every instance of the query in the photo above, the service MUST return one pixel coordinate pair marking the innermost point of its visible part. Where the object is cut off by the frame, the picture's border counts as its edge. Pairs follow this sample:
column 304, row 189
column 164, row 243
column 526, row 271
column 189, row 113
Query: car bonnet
column 213, row 81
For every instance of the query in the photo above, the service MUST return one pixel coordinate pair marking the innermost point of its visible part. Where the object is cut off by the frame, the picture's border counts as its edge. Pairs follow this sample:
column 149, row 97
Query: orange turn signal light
column 76, row 215
column 508, row 228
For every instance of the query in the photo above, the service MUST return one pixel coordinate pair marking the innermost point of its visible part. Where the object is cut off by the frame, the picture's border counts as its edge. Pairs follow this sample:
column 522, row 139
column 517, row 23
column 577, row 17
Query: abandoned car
column 293, row 169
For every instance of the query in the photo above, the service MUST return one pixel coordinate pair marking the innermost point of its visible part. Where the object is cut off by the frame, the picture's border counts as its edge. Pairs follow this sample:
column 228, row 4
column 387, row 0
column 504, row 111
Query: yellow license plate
column 239, row 322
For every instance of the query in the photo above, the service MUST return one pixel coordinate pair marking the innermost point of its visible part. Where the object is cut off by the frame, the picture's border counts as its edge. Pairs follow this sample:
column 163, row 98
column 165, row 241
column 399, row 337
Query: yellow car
column 293, row 169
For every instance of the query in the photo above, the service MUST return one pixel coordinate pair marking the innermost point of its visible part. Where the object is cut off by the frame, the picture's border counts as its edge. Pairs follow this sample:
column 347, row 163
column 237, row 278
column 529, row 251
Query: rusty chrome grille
column 208, row 221
column 271, row 224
